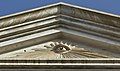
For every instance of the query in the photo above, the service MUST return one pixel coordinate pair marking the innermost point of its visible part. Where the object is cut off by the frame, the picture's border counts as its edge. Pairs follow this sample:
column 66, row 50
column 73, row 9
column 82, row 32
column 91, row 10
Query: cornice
column 92, row 33
column 63, row 9
column 62, row 64
column 27, row 17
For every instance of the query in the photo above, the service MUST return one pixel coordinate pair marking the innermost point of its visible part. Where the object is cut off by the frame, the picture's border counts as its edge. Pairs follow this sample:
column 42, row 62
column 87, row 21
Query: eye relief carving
column 59, row 47
column 56, row 50
column 69, row 51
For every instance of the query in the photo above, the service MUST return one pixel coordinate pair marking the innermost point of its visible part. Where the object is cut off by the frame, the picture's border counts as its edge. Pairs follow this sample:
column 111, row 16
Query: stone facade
column 60, row 36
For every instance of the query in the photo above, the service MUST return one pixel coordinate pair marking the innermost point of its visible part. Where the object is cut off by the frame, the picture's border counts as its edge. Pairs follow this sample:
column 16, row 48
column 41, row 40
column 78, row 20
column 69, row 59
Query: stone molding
column 90, row 32
column 60, row 20
column 90, row 63
column 64, row 9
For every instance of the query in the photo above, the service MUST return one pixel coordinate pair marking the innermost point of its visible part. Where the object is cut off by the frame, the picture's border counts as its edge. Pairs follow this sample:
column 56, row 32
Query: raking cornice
column 32, row 33
column 57, row 9
column 72, row 21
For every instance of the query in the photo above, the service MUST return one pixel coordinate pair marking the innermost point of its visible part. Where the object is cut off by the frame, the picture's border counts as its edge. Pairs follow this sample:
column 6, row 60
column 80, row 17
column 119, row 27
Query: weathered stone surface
column 93, row 34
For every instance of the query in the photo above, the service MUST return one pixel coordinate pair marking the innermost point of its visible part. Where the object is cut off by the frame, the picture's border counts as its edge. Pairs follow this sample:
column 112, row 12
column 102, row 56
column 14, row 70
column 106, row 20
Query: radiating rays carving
column 57, row 50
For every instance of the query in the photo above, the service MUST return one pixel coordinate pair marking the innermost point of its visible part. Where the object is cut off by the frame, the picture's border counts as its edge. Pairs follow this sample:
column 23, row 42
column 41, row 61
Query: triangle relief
column 59, row 31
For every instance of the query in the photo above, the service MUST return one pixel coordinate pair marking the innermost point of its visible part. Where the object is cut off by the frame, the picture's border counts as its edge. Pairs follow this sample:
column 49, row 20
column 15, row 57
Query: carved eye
column 59, row 47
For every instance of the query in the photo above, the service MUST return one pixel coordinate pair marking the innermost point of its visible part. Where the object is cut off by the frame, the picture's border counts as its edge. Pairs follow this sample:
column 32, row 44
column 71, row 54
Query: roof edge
column 60, row 3
column 30, row 10
column 60, row 8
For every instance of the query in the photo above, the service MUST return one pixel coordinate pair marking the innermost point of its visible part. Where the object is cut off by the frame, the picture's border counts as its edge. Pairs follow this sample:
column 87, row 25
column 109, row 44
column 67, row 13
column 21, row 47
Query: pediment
column 60, row 32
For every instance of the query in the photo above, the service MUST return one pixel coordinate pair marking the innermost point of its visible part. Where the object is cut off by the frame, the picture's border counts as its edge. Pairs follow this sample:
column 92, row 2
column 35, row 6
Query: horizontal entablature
column 62, row 60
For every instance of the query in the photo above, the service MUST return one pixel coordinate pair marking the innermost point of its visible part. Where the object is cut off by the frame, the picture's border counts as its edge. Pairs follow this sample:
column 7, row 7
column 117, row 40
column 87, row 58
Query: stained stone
column 60, row 36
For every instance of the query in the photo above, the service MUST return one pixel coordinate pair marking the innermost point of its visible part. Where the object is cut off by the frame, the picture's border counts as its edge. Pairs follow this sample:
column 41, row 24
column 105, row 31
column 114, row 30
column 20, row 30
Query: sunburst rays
column 73, row 51
column 60, row 50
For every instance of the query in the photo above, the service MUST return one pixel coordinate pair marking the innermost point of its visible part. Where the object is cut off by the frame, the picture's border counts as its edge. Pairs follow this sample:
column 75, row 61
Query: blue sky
column 12, row 6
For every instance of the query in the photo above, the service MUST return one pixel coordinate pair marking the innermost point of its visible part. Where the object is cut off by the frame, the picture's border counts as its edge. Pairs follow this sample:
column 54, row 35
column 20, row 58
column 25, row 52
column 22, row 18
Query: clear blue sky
column 13, row 6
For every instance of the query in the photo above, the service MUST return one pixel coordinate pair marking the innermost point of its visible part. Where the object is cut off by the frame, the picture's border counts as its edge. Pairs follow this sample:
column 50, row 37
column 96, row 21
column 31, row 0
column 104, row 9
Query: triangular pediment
column 25, row 34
